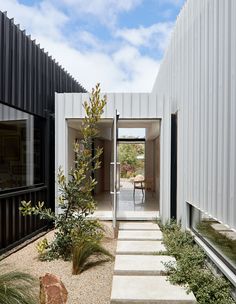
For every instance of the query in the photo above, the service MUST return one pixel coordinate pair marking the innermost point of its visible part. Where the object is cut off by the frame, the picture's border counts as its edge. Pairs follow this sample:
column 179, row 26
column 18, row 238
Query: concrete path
column 139, row 247
column 137, row 226
column 139, row 273
column 145, row 235
column 141, row 264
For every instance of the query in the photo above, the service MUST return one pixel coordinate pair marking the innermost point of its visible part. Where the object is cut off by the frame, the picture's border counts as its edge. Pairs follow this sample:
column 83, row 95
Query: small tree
column 75, row 199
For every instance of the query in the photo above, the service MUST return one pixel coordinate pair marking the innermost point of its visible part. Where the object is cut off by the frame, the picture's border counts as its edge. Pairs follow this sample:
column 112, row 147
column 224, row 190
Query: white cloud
column 86, row 39
column 105, row 10
column 42, row 19
column 121, row 68
column 125, row 70
column 155, row 36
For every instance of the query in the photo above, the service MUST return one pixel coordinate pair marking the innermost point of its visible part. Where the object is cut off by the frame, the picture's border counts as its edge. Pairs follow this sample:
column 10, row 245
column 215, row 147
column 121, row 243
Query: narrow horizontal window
column 219, row 237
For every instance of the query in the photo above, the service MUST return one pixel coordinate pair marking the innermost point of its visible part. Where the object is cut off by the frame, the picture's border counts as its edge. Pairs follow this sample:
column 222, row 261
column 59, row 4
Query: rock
column 52, row 290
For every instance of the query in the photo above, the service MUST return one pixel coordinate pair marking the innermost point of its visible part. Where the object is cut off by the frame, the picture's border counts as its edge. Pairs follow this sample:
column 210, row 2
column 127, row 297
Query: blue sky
column 119, row 43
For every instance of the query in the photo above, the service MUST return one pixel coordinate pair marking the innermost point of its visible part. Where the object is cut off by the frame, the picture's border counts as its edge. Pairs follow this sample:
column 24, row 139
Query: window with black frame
column 219, row 237
column 21, row 144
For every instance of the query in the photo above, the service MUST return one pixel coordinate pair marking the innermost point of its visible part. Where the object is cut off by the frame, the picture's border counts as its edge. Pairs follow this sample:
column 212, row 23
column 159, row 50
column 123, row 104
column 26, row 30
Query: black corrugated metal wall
column 29, row 79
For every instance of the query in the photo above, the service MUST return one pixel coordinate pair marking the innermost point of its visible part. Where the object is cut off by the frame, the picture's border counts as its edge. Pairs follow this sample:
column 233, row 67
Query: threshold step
column 140, row 235
column 139, row 247
column 139, row 226
column 148, row 289
column 141, row 264
column 126, row 215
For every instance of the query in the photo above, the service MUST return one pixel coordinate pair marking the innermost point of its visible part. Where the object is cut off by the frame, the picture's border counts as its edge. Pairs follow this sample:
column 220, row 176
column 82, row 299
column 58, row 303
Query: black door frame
column 173, row 183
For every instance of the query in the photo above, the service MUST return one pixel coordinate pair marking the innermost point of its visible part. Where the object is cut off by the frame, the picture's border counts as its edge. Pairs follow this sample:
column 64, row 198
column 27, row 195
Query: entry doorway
column 136, row 189
column 131, row 156
column 141, row 135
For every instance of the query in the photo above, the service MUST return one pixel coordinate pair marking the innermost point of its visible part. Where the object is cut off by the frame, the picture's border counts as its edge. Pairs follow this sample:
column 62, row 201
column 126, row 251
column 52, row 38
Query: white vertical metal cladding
column 198, row 75
column 60, row 139
column 129, row 105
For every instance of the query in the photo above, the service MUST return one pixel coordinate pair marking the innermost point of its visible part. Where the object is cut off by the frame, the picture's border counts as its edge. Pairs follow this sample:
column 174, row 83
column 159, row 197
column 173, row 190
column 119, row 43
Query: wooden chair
column 139, row 183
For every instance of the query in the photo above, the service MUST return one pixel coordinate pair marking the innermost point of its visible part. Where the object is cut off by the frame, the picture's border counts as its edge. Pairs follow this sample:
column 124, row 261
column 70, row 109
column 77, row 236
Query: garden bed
column 90, row 287
column 190, row 268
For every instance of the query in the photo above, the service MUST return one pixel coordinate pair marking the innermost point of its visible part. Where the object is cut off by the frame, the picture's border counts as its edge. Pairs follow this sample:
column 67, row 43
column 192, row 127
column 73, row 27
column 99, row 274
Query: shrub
column 190, row 269
column 42, row 246
column 82, row 253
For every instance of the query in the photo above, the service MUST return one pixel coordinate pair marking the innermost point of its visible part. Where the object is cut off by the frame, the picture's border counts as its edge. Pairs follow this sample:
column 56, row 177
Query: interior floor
column 127, row 201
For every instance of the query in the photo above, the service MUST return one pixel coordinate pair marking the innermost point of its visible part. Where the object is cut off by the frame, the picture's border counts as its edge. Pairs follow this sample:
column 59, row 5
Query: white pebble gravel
column 93, row 286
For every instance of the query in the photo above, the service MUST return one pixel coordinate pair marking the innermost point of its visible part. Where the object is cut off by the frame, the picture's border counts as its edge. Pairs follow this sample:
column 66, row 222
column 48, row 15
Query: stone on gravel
column 52, row 290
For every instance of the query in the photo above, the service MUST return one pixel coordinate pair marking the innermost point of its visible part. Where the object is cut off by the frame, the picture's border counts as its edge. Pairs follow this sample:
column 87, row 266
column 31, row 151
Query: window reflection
column 20, row 149
column 218, row 235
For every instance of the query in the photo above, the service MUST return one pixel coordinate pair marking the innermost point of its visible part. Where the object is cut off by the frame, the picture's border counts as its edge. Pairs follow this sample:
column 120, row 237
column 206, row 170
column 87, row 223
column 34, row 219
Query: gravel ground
column 90, row 287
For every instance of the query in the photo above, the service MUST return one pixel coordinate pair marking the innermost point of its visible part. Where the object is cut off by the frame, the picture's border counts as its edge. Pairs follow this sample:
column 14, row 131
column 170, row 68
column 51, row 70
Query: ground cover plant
column 76, row 201
column 190, row 269
column 17, row 287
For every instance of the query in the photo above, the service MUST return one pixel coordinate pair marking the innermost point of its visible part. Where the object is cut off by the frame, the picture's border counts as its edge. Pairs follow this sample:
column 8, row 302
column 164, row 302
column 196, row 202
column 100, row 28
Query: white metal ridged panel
column 129, row 105
column 155, row 107
column 119, row 103
column 232, row 162
column 135, row 102
column 144, row 105
column 110, row 105
column 198, row 75
column 69, row 105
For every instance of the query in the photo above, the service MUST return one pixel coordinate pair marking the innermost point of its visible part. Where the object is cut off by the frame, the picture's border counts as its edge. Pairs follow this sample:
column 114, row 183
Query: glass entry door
column 114, row 170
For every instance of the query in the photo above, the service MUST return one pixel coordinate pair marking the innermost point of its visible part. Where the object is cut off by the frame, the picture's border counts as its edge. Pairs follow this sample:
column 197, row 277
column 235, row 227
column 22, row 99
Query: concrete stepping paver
column 139, row 247
column 148, row 289
column 141, row 264
column 138, row 226
column 220, row 227
column 231, row 235
column 140, row 235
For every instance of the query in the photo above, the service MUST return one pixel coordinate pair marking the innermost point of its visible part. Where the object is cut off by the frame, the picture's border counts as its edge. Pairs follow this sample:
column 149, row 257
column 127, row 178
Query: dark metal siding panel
column 14, row 226
column 23, row 103
column 20, row 103
column 37, row 82
column 18, row 77
column 28, row 72
column 33, row 63
column 6, row 59
column 12, row 60
column 29, row 79
column 43, row 84
column 1, row 56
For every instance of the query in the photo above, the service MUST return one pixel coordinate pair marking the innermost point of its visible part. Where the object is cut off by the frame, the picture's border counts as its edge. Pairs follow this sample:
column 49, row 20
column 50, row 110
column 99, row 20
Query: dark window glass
column 21, row 155
column 220, row 237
